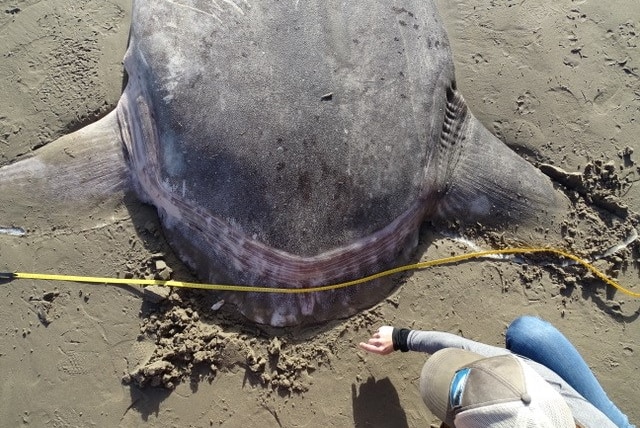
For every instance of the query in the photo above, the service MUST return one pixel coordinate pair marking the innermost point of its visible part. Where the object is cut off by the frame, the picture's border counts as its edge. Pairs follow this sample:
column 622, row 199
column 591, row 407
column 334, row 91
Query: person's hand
column 381, row 342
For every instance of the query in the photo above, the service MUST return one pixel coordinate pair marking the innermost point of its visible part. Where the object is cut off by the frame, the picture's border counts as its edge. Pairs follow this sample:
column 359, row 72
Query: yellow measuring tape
column 258, row 289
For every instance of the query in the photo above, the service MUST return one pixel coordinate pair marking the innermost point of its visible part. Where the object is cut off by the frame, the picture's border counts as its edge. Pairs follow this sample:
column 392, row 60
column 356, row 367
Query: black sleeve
column 399, row 337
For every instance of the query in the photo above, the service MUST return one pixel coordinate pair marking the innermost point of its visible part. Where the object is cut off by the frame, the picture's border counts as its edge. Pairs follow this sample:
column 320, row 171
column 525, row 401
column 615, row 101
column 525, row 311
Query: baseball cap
column 468, row 390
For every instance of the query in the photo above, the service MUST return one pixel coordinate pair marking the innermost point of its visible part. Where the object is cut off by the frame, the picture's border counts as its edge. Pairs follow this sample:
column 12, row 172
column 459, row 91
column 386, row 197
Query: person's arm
column 388, row 339
column 432, row 341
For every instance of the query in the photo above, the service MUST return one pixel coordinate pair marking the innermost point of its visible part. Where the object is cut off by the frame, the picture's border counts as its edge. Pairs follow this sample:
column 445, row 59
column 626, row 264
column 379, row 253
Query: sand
column 556, row 80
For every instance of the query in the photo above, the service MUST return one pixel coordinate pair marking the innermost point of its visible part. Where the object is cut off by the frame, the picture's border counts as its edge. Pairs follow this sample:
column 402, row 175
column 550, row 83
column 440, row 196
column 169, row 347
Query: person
column 458, row 388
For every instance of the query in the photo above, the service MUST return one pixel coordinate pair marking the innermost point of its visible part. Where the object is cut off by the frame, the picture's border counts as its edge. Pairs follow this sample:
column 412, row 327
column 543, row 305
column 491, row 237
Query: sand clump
column 191, row 348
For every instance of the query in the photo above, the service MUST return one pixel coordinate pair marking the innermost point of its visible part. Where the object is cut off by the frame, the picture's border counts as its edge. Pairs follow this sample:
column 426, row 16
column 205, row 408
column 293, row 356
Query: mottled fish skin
column 302, row 143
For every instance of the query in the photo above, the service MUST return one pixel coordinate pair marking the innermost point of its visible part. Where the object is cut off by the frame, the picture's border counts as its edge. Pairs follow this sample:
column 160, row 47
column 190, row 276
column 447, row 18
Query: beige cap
column 467, row 390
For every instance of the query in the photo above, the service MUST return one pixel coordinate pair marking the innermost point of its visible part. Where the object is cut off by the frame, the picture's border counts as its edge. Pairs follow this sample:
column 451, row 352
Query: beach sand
column 556, row 80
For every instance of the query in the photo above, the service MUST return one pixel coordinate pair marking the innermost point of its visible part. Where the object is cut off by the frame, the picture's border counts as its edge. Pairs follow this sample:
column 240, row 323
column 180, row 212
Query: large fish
column 289, row 143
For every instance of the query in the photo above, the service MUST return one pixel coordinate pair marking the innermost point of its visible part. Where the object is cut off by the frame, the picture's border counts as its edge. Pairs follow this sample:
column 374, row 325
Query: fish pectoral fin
column 83, row 168
column 486, row 182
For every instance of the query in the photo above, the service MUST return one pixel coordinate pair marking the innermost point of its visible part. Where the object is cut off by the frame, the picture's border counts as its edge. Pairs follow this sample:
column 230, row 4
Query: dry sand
column 557, row 80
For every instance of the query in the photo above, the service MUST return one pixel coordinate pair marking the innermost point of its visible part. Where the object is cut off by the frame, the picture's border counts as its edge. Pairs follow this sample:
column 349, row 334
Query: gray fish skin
column 300, row 143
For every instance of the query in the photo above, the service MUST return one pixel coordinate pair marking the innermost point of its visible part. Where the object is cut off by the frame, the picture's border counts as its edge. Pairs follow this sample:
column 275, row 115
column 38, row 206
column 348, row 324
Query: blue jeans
column 541, row 342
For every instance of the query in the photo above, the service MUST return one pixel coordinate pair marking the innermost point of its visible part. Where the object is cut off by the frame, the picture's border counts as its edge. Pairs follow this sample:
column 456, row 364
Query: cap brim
column 435, row 380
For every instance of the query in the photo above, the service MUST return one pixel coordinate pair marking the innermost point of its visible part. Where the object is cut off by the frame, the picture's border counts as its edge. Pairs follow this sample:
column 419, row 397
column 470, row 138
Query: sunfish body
column 290, row 144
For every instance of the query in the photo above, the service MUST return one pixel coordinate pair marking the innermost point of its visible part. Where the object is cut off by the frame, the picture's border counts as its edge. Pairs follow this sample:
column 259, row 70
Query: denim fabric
column 541, row 342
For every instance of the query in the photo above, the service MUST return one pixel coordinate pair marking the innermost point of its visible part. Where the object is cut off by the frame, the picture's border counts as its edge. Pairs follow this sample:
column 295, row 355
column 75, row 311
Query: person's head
column 467, row 390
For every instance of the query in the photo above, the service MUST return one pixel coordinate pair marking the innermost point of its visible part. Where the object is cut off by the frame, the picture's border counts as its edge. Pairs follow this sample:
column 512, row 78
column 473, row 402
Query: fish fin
column 481, row 180
column 81, row 169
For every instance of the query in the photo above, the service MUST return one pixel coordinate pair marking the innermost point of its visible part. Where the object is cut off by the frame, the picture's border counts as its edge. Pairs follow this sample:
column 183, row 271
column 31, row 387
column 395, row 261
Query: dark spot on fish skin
column 327, row 97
